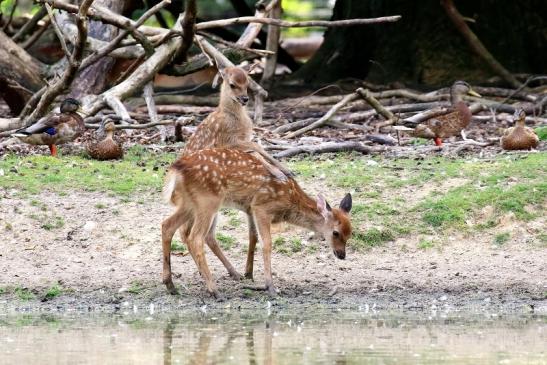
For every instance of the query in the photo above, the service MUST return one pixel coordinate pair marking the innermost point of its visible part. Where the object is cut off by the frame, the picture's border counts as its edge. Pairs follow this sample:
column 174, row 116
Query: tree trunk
column 425, row 46
column 19, row 74
column 93, row 80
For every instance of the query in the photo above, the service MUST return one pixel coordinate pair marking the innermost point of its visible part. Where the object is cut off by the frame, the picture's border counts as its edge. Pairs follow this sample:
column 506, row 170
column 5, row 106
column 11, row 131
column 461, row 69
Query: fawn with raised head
column 230, row 126
column 201, row 183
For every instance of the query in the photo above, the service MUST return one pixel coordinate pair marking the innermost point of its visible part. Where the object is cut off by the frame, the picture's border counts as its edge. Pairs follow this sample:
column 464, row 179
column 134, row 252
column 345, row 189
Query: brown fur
column 519, row 137
column 200, row 183
column 230, row 126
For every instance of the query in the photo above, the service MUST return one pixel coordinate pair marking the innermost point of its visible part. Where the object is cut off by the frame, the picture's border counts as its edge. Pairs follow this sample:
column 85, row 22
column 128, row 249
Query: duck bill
column 474, row 93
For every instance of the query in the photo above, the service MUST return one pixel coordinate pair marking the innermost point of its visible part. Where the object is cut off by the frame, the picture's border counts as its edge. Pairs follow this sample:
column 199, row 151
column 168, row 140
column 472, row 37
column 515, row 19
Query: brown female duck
column 55, row 129
column 107, row 149
column 450, row 124
column 519, row 137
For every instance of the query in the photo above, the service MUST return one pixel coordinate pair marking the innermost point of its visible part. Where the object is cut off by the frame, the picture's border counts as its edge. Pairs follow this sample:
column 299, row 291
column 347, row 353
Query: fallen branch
column 329, row 147
column 288, row 24
column 373, row 102
column 30, row 25
column 345, row 100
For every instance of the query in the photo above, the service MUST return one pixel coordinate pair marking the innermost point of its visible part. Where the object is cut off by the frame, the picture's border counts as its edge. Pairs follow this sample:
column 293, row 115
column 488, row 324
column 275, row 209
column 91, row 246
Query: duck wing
column 45, row 125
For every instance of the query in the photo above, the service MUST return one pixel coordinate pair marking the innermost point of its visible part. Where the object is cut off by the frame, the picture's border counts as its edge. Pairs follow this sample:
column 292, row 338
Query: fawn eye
column 233, row 86
column 336, row 234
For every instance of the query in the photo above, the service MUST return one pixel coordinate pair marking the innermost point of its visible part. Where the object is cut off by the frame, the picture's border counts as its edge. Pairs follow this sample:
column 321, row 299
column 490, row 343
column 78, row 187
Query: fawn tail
column 172, row 178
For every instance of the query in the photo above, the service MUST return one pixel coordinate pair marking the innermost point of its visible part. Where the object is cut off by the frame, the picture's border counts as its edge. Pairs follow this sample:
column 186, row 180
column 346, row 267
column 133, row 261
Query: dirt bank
column 100, row 252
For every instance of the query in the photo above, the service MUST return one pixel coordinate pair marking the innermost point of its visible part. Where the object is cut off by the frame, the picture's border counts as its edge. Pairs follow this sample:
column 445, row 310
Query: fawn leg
column 196, row 243
column 253, row 238
column 263, row 223
column 168, row 229
column 213, row 245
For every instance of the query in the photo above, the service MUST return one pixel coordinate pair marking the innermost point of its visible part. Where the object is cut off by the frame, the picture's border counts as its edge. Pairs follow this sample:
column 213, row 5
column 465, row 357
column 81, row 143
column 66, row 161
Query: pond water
column 239, row 338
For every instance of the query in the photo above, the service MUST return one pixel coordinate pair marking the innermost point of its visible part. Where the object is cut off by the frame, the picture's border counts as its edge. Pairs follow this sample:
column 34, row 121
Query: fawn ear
column 323, row 206
column 345, row 204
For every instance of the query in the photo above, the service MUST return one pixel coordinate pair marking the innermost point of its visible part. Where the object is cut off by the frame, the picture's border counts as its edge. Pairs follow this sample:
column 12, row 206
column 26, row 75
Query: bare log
column 272, row 44
column 475, row 43
column 20, row 74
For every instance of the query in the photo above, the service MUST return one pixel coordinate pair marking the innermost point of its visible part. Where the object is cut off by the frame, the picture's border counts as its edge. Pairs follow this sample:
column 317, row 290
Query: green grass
column 52, row 223
column 371, row 238
column 23, row 294
column 135, row 173
column 542, row 133
column 502, row 238
column 225, row 241
column 425, row 244
column 2, row 291
column 54, row 291
column 177, row 246
column 135, row 288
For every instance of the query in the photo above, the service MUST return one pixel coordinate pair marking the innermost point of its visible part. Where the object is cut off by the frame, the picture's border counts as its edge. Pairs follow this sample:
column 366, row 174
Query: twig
column 188, row 25
column 148, row 94
column 373, row 102
column 347, row 99
column 58, row 32
column 288, row 24
column 135, row 126
column 36, row 35
column 30, row 25
column 475, row 43
column 12, row 11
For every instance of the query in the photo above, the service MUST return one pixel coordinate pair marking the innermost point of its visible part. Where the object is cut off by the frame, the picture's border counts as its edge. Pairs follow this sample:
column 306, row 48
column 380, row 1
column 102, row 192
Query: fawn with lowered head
column 230, row 126
column 201, row 183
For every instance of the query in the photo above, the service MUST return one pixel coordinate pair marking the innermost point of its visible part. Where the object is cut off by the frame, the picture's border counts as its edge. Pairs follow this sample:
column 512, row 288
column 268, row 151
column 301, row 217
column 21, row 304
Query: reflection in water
column 227, row 338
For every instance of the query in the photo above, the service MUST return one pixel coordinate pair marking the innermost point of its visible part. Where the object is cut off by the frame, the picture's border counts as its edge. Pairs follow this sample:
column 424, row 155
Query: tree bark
column 93, row 80
column 424, row 47
column 20, row 74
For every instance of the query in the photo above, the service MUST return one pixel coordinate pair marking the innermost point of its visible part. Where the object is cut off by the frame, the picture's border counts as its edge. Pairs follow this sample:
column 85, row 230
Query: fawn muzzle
column 341, row 254
column 242, row 99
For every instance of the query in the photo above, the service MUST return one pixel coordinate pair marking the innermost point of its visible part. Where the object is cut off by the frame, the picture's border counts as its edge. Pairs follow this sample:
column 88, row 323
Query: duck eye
column 336, row 234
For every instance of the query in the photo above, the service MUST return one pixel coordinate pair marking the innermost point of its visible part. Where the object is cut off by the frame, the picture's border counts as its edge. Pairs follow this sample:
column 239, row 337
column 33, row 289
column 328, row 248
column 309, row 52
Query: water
column 228, row 338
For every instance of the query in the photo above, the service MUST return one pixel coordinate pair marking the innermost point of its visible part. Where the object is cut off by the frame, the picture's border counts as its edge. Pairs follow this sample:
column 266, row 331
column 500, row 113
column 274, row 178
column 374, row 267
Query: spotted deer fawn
column 201, row 183
column 230, row 126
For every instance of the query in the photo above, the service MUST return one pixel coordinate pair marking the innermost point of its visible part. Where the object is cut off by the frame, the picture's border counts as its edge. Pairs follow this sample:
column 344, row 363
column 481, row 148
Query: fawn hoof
column 216, row 295
column 249, row 276
column 171, row 287
column 236, row 276
column 271, row 291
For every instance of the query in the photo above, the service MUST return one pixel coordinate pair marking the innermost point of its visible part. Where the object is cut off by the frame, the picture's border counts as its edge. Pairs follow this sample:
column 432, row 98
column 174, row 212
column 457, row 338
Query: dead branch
column 58, row 32
column 30, row 25
column 373, row 102
column 347, row 99
column 136, row 126
column 10, row 18
column 36, row 35
column 272, row 44
column 58, row 87
column 253, row 29
column 288, row 24
column 141, row 76
column 475, row 43
column 329, row 147
column 188, row 25
column 132, row 29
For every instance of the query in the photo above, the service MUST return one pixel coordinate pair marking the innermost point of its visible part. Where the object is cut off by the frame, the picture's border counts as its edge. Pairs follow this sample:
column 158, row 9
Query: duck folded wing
column 45, row 125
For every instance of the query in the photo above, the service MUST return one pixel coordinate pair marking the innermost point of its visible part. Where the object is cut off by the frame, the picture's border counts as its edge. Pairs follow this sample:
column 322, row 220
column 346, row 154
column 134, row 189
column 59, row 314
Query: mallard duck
column 450, row 124
column 107, row 149
column 56, row 129
column 519, row 137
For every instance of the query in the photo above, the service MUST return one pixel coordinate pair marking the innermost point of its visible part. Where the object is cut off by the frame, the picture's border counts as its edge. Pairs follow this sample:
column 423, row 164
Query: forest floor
column 431, row 232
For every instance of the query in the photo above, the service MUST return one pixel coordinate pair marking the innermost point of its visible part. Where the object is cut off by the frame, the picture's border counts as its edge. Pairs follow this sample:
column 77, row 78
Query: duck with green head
column 56, row 129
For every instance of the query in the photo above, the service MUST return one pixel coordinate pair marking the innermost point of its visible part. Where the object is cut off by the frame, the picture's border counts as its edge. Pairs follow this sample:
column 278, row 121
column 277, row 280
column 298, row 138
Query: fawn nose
column 341, row 254
column 243, row 99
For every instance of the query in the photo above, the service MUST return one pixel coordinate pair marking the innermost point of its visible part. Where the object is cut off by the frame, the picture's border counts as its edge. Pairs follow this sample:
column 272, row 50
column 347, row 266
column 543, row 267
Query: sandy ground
column 100, row 253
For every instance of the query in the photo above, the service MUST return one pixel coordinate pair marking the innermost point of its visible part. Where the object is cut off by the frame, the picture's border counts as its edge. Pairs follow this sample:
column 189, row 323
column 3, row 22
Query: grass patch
column 542, row 133
column 23, row 293
column 177, row 246
column 502, row 238
column 138, row 171
column 100, row 206
column 135, row 288
column 52, row 223
column 371, row 238
column 54, row 291
column 225, row 241
column 425, row 244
